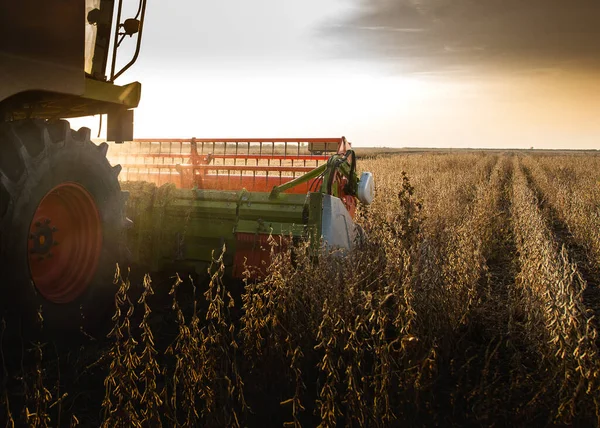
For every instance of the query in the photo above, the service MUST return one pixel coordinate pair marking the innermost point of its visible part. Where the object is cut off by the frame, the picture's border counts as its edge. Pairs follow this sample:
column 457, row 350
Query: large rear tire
column 61, row 226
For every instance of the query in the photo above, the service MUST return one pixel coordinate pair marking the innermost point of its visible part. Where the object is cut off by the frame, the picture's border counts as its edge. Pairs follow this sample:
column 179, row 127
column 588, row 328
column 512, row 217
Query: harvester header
column 191, row 196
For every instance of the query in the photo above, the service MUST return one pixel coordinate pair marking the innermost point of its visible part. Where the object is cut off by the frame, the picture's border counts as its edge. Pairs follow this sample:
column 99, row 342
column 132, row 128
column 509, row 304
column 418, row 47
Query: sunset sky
column 403, row 73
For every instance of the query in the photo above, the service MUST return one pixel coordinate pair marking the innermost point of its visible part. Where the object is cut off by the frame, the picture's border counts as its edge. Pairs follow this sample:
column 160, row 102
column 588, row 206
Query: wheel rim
column 65, row 241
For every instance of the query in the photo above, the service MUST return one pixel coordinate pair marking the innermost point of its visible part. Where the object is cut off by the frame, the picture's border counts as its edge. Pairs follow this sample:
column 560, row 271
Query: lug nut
column 47, row 221
column 54, row 229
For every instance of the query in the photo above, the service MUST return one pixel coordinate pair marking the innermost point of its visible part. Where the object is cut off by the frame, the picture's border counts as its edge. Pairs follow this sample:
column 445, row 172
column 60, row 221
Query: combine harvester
column 62, row 211
column 210, row 192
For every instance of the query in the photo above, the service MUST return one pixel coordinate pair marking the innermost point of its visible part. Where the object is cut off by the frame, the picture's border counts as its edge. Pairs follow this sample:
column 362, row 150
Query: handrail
column 113, row 75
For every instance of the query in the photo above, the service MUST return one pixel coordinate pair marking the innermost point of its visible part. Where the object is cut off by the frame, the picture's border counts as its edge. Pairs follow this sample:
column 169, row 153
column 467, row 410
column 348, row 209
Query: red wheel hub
column 65, row 241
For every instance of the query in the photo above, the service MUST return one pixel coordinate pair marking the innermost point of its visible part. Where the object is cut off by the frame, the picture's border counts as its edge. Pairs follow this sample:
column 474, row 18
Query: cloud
column 515, row 35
